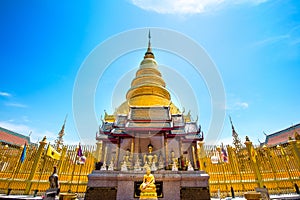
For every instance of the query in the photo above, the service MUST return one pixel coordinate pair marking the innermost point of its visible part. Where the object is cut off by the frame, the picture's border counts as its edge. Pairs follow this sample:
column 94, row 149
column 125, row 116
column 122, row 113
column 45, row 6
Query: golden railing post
column 35, row 165
column 61, row 162
column 296, row 150
column 253, row 161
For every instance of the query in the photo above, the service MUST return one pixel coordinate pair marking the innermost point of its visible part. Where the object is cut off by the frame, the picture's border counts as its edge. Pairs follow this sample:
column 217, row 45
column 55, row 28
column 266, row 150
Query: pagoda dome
column 148, row 89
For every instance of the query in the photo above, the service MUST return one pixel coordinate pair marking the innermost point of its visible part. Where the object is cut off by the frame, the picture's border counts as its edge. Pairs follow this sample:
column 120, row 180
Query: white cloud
column 18, row 105
column 5, row 94
column 188, row 6
column 237, row 106
column 242, row 105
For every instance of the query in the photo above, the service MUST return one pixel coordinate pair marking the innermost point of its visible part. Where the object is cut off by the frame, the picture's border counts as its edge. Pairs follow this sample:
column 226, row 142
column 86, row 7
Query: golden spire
column 148, row 88
column 149, row 53
column 59, row 141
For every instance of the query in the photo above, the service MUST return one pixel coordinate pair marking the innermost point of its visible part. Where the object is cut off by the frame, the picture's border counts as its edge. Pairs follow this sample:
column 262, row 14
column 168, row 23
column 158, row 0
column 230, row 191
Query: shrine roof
column 178, row 120
column 191, row 127
column 281, row 137
column 107, row 126
column 11, row 137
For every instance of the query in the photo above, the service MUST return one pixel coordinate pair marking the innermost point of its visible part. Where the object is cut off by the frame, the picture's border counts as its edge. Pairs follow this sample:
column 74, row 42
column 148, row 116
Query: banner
column 52, row 153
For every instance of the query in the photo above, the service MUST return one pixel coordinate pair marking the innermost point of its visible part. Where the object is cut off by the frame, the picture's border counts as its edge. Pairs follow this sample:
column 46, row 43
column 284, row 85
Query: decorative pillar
column 200, row 159
column 194, row 157
column 99, row 151
column 132, row 149
column 105, row 154
column 117, row 154
column 253, row 161
column 166, row 152
column 35, row 164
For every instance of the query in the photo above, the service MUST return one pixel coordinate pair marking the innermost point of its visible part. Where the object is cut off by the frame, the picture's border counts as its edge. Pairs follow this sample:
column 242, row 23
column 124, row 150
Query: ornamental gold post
column 132, row 149
column 98, row 151
column 253, row 161
column 35, row 165
column 295, row 150
column 200, row 158
column 166, row 153
column 194, row 157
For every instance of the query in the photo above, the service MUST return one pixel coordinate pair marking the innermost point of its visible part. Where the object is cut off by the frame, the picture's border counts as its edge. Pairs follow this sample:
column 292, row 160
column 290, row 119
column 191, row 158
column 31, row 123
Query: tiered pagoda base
column 175, row 185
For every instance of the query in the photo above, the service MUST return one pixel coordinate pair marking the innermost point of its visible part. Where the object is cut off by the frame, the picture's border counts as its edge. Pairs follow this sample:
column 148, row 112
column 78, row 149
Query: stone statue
column 150, row 157
column 148, row 188
column 53, row 179
column 54, row 185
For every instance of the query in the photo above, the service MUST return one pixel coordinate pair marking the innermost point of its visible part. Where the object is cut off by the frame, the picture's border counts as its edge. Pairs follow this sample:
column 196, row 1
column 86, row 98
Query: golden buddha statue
column 150, row 158
column 148, row 188
column 127, row 159
column 173, row 161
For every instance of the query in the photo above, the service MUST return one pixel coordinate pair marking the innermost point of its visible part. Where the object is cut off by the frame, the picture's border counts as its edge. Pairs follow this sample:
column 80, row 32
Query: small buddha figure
column 103, row 168
column 127, row 158
column 137, row 165
column 124, row 166
column 161, row 164
column 190, row 167
column 148, row 188
column 173, row 161
column 174, row 166
column 111, row 165
column 150, row 157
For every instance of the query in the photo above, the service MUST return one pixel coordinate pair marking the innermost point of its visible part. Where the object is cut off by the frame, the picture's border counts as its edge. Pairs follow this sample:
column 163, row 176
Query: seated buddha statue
column 150, row 158
column 173, row 161
column 127, row 159
column 148, row 188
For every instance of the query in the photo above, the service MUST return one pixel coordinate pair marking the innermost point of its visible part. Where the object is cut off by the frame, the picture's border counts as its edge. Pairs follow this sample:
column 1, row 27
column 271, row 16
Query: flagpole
column 75, row 158
column 79, row 178
column 17, row 167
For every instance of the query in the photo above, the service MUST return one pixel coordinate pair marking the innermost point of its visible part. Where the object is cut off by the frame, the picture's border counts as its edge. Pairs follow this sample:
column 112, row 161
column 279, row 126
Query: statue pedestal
column 175, row 185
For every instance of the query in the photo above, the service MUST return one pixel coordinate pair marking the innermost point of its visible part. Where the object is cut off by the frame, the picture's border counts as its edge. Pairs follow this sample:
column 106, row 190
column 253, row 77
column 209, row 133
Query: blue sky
column 254, row 44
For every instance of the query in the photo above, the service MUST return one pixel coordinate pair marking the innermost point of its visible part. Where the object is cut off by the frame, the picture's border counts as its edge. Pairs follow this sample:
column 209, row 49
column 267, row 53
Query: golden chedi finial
column 149, row 53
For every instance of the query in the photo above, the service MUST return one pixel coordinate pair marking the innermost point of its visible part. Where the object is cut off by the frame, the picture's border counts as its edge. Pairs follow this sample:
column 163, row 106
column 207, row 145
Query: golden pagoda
column 148, row 132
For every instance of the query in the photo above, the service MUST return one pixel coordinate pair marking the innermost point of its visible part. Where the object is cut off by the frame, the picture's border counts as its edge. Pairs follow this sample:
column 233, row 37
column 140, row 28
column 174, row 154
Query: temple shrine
column 148, row 132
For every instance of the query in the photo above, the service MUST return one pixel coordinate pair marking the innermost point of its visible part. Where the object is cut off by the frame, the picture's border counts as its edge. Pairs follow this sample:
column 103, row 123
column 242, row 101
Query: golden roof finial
column 149, row 53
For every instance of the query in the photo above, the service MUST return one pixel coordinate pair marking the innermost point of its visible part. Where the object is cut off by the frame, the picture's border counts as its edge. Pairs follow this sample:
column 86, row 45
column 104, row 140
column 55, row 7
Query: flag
column 52, row 153
column 224, row 155
column 79, row 151
column 23, row 155
column 82, row 158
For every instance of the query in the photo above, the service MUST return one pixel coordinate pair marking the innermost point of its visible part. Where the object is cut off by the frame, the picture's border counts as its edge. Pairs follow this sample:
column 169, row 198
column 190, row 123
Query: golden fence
column 276, row 168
